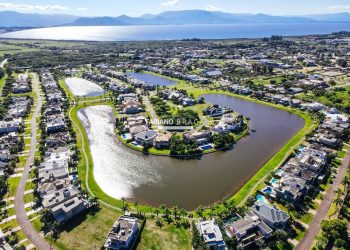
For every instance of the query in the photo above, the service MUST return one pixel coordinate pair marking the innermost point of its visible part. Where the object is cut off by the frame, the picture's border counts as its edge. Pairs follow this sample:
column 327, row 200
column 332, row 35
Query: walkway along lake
column 123, row 172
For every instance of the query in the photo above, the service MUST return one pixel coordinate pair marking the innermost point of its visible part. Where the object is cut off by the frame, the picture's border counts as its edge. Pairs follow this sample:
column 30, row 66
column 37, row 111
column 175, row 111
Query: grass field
column 2, row 82
column 13, row 183
column 267, row 81
column 13, row 49
column 332, row 98
column 167, row 237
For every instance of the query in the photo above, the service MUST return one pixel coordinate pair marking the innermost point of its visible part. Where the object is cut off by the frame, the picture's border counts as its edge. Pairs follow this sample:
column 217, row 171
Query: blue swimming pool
column 267, row 190
column 274, row 181
column 206, row 147
column 260, row 197
column 124, row 136
column 279, row 172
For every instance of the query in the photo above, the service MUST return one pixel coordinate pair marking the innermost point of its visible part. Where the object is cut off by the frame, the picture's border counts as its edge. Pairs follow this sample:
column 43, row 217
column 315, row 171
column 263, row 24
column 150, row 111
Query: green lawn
column 167, row 237
column 9, row 225
column 341, row 154
column 331, row 98
column 87, row 231
column 13, row 183
column 2, row 82
column 267, row 81
column 306, row 218
column 13, row 49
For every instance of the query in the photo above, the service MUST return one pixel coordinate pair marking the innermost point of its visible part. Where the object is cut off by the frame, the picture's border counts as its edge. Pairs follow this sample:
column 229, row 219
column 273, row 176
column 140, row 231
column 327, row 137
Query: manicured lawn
column 28, row 198
column 300, row 235
column 167, row 237
column 29, row 185
column 9, row 225
column 283, row 246
column 341, row 154
column 266, row 81
column 13, row 183
column 87, row 231
column 306, row 218
column 13, row 49
column 2, row 82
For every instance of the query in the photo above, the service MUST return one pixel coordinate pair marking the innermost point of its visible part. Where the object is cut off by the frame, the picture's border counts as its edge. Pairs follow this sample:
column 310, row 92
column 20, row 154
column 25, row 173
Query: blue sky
column 139, row 7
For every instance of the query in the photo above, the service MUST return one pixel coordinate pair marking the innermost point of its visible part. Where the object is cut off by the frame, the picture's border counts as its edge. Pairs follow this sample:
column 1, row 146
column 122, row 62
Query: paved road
column 150, row 108
column 315, row 226
column 33, row 236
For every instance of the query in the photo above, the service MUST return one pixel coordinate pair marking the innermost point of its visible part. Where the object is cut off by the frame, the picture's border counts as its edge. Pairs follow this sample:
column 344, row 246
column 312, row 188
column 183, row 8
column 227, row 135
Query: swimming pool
column 274, row 181
column 279, row 172
column 267, row 190
column 206, row 147
column 260, row 197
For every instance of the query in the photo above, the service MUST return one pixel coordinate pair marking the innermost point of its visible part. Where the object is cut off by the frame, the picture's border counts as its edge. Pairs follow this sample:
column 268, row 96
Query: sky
column 140, row 7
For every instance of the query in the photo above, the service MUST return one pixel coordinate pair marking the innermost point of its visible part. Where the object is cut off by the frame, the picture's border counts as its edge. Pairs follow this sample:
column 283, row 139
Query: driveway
column 32, row 235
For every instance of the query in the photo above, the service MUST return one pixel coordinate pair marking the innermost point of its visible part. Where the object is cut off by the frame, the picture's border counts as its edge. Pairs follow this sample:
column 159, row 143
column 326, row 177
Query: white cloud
column 28, row 7
column 339, row 8
column 82, row 9
column 212, row 8
column 170, row 3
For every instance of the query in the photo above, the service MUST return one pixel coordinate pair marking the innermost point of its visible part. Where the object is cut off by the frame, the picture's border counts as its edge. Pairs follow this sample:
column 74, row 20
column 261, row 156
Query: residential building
column 123, row 234
column 211, row 234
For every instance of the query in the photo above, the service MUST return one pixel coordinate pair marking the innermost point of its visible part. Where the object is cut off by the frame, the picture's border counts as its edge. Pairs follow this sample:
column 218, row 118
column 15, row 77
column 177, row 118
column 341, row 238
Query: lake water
column 123, row 172
column 83, row 88
column 173, row 32
column 152, row 79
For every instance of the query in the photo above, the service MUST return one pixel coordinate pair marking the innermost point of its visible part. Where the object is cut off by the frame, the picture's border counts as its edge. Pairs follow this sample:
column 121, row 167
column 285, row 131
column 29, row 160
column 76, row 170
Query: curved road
column 33, row 236
column 315, row 226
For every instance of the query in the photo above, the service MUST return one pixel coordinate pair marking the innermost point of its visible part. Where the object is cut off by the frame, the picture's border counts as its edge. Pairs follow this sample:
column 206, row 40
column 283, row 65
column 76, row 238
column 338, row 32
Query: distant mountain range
column 16, row 19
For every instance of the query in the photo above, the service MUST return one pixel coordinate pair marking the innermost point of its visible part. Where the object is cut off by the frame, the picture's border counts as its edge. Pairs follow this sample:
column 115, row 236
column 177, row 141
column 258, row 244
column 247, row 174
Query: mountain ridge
column 17, row 19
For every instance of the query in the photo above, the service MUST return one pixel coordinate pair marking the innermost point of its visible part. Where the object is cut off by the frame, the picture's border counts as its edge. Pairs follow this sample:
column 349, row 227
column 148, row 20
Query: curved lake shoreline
column 158, row 180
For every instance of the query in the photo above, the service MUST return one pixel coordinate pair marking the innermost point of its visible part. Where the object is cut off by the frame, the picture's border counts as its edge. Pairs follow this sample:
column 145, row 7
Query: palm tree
column 167, row 213
column 230, row 206
column 280, row 235
column 200, row 211
column 212, row 211
column 124, row 205
column 156, row 211
column 346, row 182
column 175, row 212
column 162, row 208
column 136, row 204
column 183, row 213
column 339, row 192
column 290, row 207
column 338, row 201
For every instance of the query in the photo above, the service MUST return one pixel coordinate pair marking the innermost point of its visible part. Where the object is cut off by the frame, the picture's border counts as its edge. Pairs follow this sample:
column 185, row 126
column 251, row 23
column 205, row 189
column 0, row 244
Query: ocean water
column 175, row 32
